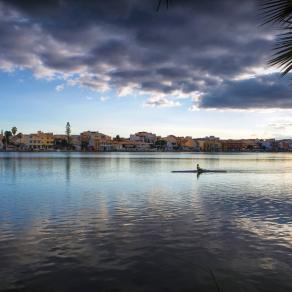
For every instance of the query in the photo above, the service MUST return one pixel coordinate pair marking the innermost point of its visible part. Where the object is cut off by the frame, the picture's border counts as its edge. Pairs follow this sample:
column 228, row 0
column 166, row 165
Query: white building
column 268, row 144
column 171, row 142
column 144, row 137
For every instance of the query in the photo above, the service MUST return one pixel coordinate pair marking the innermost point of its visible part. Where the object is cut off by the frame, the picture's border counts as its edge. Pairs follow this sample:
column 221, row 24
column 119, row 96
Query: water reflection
column 126, row 223
column 67, row 169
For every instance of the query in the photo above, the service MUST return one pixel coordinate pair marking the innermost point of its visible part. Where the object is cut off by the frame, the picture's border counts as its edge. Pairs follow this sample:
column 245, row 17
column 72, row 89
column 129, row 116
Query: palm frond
column 276, row 11
column 279, row 12
column 167, row 2
column 282, row 57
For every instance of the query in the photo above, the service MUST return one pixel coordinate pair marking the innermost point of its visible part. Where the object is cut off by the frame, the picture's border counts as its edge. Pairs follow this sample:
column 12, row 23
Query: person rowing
column 199, row 169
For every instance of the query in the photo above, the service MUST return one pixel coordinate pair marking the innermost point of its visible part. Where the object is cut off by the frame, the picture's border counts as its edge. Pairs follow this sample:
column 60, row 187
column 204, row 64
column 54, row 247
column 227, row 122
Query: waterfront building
column 60, row 141
column 268, row 145
column 75, row 141
column 232, row 145
column 251, row 144
column 186, row 143
column 118, row 145
column 128, row 145
column 171, row 142
column 200, row 144
column 285, row 145
column 38, row 141
column 60, row 137
column 95, row 141
column 142, row 146
column 144, row 137
column 209, row 144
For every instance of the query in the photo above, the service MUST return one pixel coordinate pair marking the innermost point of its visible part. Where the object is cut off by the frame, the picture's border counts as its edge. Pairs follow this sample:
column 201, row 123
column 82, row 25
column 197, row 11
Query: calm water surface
column 124, row 222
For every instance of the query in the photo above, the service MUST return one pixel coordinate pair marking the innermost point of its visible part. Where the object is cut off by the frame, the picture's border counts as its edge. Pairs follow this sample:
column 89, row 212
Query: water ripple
column 124, row 223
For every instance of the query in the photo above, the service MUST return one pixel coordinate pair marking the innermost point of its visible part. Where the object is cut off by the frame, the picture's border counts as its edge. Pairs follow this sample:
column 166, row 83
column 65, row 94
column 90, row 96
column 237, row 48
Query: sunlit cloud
column 125, row 54
column 104, row 98
column 161, row 101
column 60, row 87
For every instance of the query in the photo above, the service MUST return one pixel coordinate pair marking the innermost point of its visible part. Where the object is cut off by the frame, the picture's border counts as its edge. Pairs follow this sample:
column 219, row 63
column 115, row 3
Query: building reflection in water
column 128, row 222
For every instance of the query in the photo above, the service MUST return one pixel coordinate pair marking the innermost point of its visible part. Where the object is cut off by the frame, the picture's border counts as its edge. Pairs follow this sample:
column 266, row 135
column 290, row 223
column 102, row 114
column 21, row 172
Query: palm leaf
column 279, row 12
column 282, row 57
column 160, row 2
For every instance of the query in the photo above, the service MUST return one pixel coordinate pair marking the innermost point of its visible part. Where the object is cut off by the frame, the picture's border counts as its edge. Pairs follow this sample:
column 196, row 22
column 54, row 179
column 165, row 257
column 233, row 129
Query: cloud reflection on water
column 119, row 222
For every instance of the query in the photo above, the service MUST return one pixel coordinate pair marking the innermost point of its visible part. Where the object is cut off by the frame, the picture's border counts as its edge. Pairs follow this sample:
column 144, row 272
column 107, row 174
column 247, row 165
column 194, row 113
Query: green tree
column 279, row 13
column 20, row 136
column 68, row 132
column 14, row 131
column 160, row 144
column 7, row 135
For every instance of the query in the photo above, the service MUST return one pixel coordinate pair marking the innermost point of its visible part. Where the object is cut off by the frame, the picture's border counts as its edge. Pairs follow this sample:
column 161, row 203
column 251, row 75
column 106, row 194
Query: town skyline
column 135, row 130
column 140, row 141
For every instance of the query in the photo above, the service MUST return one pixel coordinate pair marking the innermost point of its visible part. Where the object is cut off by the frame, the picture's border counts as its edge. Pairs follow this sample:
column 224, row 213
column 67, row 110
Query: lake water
column 123, row 222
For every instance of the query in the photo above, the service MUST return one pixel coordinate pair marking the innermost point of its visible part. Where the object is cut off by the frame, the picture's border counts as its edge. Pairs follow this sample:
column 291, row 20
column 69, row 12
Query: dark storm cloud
column 263, row 92
column 126, row 45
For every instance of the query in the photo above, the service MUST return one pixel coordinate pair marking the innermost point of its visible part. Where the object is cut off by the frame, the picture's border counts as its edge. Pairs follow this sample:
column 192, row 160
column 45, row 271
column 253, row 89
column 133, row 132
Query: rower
column 199, row 169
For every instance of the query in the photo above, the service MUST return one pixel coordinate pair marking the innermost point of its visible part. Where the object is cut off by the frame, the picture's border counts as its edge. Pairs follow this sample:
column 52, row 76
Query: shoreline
column 138, row 151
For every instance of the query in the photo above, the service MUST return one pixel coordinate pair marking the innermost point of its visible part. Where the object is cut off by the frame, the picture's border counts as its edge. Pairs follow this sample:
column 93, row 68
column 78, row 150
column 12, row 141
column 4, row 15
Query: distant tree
column 7, row 135
column 160, row 144
column 68, row 132
column 14, row 131
column 19, row 136
column 4, row 140
column 118, row 138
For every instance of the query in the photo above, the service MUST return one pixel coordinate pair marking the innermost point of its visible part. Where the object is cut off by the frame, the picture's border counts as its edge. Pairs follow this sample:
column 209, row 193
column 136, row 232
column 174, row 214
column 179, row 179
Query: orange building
column 38, row 141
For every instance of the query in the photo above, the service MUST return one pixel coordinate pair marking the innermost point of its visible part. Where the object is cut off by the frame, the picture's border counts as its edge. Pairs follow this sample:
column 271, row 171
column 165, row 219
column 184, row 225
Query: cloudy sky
column 197, row 68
